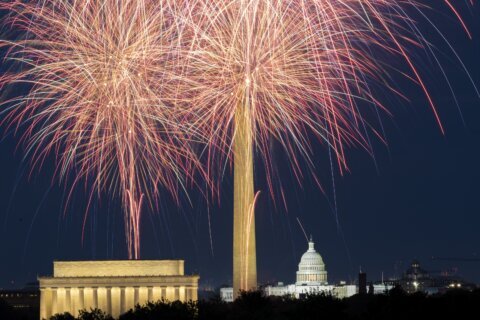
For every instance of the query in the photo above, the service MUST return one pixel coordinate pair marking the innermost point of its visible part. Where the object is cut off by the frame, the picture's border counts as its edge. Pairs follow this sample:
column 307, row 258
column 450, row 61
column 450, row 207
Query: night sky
column 418, row 198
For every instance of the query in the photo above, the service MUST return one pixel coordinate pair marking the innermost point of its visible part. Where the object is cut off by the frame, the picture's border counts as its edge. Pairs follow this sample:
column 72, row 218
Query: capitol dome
column 311, row 269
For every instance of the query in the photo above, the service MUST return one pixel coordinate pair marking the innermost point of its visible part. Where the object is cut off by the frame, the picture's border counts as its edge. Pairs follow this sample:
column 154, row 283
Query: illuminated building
column 311, row 269
column 418, row 279
column 311, row 279
column 113, row 286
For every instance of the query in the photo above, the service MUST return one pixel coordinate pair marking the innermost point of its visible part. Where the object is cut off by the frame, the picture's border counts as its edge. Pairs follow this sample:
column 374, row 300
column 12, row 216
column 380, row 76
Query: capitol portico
column 113, row 286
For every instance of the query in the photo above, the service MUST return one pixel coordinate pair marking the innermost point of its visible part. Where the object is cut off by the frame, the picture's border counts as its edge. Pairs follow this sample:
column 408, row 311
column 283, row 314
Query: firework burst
column 300, row 66
column 101, row 95
column 281, row 70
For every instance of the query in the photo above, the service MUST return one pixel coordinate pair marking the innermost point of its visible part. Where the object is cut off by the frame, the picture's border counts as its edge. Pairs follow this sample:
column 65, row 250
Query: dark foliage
column 93, row 314
column 213, row 309
column 455, row 304
column 63, row 316
column 163, row 310
column 8, row 312
column 396, row 304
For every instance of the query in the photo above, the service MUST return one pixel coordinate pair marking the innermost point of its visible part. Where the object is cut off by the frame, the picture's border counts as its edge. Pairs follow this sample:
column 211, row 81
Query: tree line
column 254, row 305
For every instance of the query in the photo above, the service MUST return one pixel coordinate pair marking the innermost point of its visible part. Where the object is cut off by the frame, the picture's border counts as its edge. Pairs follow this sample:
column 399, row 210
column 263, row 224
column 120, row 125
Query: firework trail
column 283, row 70
column 100, row 79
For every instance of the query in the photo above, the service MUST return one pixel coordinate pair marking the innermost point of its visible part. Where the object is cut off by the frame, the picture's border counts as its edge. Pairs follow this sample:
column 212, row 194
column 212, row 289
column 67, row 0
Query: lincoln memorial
column 113, row 286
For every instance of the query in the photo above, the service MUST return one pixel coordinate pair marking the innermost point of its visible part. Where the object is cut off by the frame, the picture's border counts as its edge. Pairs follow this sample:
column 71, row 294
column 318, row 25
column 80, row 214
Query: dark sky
column 418, row 199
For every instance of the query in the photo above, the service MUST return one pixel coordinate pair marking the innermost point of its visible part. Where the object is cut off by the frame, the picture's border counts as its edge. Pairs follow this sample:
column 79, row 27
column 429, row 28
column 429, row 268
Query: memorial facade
column 113, row 286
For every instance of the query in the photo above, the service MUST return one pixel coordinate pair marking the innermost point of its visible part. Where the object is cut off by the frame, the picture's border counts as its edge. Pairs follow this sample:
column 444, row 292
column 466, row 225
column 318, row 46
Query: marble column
column 142, row 295
column 109, row 300
column 115, row 304
column 94, row 298
column 68, row 301
column 60, row 300
column 194, row 293
column 157, row 294
column 87, row 297
column 150, row 294
column 176, row 293
column 74, row 301
column 136, row 296
column 170, row 293
column 43, row 304
column 54, row 301
column 81, row 299
column 181, row 294
column 102, row 299
column 188, row 294
column 123, row 298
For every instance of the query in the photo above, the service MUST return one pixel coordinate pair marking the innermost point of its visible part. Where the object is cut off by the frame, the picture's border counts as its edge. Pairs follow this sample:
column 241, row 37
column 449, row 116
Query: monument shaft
column 244, row 247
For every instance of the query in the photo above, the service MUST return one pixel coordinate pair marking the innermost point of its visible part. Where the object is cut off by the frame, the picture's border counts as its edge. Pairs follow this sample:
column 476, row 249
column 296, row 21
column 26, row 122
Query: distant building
column 416, row 279
column 311, row 279
column 226, row 294
column 382, row 287
column 25, row 301
column 113, row 286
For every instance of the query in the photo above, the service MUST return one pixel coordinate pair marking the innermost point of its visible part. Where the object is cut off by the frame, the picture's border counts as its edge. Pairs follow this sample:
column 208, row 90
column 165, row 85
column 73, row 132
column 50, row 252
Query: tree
column 62, row 316
column 94, row 314
column 164, row 310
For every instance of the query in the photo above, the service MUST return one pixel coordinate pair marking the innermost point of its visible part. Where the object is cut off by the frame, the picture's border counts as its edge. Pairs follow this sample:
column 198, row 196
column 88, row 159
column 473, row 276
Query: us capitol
column 311, row 279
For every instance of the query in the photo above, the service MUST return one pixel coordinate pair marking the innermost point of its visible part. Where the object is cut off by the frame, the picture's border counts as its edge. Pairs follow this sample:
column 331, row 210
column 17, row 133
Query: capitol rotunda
column 311, row 269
